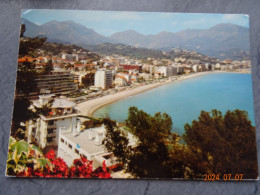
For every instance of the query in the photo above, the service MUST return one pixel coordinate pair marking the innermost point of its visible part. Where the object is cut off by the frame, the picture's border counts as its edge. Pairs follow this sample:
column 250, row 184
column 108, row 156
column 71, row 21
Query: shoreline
column 89, row 107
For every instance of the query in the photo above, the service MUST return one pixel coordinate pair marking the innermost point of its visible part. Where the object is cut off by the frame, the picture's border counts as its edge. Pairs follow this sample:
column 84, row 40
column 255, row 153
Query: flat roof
column 62, row 103
column 57, row 103
column 85, row 143
column 82, row 139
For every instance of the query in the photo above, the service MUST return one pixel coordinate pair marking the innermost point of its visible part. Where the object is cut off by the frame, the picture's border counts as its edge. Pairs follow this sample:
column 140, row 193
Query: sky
column 109, row 22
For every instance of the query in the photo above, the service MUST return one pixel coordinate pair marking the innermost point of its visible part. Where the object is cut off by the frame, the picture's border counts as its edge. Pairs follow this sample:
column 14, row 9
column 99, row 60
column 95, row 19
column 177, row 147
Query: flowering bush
column 26, row 160
column 83, row 168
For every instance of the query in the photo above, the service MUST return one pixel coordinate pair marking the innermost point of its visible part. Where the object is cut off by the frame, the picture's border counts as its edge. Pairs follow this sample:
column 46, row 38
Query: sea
column 184, row 100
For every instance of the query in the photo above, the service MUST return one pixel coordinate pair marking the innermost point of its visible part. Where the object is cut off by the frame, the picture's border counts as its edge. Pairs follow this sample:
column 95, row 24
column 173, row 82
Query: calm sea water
column 184, row 100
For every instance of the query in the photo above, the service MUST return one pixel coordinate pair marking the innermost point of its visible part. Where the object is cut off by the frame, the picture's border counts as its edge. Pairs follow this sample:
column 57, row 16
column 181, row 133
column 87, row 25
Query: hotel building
column 103, row 78
column 57, row 82
column 88, row 144
column 45, row 130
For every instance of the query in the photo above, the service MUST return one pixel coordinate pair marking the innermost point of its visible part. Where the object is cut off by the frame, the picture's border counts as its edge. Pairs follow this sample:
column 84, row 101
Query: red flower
column 83, row 159
column 51, row 155
column 58, row 168
column 104, row 167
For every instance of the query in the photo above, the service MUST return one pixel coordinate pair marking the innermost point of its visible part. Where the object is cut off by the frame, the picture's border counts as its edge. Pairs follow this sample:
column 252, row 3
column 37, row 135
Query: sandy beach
column 89, row 107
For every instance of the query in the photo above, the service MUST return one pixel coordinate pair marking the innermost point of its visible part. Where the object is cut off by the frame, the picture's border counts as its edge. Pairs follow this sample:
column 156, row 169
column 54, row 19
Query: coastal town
column 75, row 86
column 107, row 95
column 84, row 78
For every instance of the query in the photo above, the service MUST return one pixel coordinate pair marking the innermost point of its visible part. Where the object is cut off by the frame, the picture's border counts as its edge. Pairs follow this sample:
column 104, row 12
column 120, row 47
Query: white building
column 195, row 68
column 88, row 144
column 70, row 57
column 78, row 76
column 167, row 71
column 121, row 81
column 163, row 70
column 208, row 66
column 218, row 66
column 62, row 118
column 146, row 76
column 103, row 78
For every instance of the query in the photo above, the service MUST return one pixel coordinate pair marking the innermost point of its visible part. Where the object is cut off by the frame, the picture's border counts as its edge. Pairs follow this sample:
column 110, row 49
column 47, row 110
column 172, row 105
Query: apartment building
column 57, row 82
column 88, row 144
column 62, row 118
column 103, row 78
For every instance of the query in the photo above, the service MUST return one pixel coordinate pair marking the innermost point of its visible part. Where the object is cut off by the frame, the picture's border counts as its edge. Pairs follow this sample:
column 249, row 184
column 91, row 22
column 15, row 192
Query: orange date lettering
column 211, row 177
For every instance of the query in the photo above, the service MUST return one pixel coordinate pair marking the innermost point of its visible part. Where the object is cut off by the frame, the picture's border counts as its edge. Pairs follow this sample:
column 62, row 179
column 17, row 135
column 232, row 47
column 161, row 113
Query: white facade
column 88, row 144
column 164, row 70
column 46, row 129
column 207, row 65
column 69, row 57
column 78, row 76
column 146, row 76
column 121, row 81
column 217, row 66
column 103, row 78
column 195, row 68
column 167, row 71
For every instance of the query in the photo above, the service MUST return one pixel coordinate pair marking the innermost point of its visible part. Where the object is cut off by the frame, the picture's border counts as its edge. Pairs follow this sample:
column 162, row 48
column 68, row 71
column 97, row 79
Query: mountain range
column 221, row 41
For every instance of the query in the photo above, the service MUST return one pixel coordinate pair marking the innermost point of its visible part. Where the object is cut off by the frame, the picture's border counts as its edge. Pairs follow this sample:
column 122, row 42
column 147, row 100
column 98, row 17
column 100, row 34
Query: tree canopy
column 88, row 80
column 29, row 46
column 222, row 144
column 214, row 144
column 150, row 158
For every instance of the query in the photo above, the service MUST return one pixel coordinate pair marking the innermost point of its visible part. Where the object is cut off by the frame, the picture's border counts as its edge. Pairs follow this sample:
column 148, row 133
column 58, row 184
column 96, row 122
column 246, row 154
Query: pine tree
column 222, row 144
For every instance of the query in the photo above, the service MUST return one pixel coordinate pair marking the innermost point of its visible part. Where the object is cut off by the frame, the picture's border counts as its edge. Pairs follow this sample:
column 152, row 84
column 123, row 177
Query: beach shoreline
column 89, row 107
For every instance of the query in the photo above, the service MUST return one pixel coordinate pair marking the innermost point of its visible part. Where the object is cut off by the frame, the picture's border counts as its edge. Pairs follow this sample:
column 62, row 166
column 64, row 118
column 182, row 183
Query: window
column 49, row 139
column 51, row 123
column 70, row 146
column 77, row 152
column 62, row 140
column 50, row 131
column 34, row 130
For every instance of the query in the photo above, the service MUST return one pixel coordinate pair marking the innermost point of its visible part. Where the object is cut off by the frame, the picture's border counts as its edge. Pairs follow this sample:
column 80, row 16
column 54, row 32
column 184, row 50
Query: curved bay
column 184, row 100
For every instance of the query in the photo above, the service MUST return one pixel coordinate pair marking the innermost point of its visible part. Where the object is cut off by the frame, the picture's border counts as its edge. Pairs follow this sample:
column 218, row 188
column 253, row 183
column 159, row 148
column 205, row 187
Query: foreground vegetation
column 27, row 160
column 214, row 144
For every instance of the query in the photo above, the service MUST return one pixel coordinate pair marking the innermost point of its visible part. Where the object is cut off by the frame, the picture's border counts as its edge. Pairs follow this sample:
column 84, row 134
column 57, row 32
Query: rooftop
column 62, row 103
column 85, row 143
column 57, row 103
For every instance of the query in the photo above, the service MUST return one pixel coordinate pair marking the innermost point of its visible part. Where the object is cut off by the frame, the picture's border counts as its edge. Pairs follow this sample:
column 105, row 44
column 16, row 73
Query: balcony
column 52, row 126
column 52, row 134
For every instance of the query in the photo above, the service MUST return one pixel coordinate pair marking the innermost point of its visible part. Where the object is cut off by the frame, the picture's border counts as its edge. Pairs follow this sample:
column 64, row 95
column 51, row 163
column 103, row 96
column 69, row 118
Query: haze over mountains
column 221, row 41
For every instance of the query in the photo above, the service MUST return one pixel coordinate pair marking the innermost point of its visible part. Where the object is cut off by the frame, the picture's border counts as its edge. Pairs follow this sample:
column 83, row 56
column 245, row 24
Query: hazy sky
column 109, row 22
